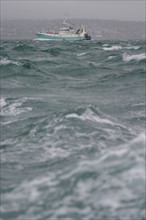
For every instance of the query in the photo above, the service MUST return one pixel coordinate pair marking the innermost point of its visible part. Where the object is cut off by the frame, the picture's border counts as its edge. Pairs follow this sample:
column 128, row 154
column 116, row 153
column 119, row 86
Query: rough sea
column 73, row 130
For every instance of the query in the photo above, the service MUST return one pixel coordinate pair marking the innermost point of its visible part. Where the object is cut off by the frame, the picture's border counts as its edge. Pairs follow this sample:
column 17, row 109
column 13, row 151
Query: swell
column 87, row 126
column 24, row 47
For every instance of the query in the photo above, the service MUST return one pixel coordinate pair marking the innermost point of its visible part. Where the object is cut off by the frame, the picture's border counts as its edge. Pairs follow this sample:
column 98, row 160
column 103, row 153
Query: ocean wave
column 81, row 54
column 8, row 62
column 116, row 176
column 134, row 148
column 111, row 57
column 116, row 47
column 119, row 47
column 133, row 47
column 90, row 115
column 93, row 114
column 105, row 45
column 137, row 57
column 13, row 108
column 71, row 131
column 2, row 102
column 141, row 104
column 22, row 47
column 53, row 51
column 83, row 128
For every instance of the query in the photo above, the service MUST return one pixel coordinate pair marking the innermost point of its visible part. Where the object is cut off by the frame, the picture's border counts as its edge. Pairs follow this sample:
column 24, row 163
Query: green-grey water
column 73, row 130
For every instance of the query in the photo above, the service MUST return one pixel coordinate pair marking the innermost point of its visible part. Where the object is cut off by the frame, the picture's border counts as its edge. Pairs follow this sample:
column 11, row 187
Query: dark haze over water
column 73, row 130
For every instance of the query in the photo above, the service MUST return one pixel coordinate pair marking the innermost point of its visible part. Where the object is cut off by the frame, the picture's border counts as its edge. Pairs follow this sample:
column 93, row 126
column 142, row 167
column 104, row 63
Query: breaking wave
column 119, row 47
column 13, row 108
column 8, row 62
column 136, row 57
column 116, row 47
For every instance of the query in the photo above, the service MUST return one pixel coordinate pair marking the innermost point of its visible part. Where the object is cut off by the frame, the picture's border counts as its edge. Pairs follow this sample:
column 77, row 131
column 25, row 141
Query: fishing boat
column 66, row 32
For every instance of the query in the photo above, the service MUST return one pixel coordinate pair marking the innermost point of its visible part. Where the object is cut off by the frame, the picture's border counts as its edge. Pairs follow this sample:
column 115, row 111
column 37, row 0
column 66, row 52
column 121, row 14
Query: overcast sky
column 133, row 10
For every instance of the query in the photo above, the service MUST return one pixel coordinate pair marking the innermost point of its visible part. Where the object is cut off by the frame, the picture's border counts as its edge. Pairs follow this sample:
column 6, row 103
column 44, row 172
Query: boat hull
column 61, row 38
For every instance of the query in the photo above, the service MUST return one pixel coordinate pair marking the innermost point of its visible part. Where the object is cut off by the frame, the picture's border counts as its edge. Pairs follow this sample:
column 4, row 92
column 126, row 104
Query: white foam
column 119, row 47
column 2, row 102
column 116, row 47
column 136, row 57
column 89, row 115
column 111, row 57
column 9, row 122
column 105, row 45
column 14, row 109
column 141, row 138
column 133, row 47
column 139, row 104
column 6, row 62
column 123, row 150
column 81, row 54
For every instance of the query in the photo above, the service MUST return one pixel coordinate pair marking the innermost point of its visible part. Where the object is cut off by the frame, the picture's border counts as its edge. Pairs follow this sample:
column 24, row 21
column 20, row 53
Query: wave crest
column 137, row 57
column 7, row 62
column 116, row 47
